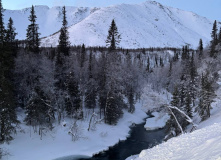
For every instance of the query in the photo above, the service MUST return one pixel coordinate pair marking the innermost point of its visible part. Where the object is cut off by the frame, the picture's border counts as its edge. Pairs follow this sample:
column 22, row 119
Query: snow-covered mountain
column 49, row 19
column 149, row 24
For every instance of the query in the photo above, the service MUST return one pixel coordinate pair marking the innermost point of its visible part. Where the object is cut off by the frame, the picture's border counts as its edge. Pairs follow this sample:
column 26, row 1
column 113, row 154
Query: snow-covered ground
column 58, row 143
column 156, row 122
column 202, row 144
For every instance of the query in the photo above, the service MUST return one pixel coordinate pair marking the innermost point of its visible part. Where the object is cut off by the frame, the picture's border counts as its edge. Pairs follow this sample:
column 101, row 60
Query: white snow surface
column 156, row 122
column 149, row 24
column 57, row 143
column 202, row 144
column 48, row 19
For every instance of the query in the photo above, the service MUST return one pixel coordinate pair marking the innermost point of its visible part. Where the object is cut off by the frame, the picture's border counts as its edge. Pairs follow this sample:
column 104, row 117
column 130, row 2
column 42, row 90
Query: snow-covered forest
column 88, row 97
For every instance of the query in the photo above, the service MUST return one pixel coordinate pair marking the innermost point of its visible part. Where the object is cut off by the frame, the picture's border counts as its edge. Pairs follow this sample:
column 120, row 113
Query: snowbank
column 58, row 143
column 203, row 144
column 156, row 122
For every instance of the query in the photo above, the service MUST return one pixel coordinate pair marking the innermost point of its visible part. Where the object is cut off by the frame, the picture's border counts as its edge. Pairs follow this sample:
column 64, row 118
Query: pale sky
column 208, row 8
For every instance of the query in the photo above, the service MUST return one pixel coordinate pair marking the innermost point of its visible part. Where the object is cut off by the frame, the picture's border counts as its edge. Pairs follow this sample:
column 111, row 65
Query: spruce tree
column 64, row 44
column 8, row 117
column 182, row 92
column 113, row 108
column 64, row 80
column 161, row 62
column 102, row 83
column 113, row 38
column 148, row 64
column 188, row 106
column 91, row 92
column 131, row 100
column 185, row 53
column 200, row 48
column 214, row 33
column 171, row 125
column 129, row 83
column 83, row 55
column 219, row 36
column 90, row 66
column 201, row 109
column 2, row 27
column 207, row 94
column 32, row 35
column 73, row 100
column 10, row 32
column 10, row 37
column 192, row 84
column 175, row 99
column 156, row 61
column 169, row 75
column 59, row 71
column 115, row 94
column 214, row 41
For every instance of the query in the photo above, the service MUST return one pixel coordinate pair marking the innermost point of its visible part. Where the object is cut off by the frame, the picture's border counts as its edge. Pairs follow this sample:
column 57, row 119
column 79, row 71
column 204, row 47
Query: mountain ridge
column 149, row 24
column 49, row 19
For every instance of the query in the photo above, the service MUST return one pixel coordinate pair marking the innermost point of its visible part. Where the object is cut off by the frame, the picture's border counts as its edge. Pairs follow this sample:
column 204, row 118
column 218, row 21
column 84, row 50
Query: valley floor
column 58, row 143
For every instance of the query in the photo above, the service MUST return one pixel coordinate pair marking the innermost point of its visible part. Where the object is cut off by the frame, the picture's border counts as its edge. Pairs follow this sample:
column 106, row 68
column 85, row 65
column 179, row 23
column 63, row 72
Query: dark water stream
column 139, row 139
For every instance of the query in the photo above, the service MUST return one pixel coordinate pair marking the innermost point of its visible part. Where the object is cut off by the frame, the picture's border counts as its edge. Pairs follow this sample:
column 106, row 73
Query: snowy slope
column 202, row 144
column 141, row 25
column 49, row 19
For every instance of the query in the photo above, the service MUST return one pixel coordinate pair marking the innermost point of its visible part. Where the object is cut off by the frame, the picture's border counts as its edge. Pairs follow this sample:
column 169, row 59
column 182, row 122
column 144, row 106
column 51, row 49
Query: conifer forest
column 83, row 87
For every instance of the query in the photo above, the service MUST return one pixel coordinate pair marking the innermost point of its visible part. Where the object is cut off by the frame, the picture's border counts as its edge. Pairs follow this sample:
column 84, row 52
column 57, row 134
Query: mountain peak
column 140, row 27
column 153, row 3
column 148, row 25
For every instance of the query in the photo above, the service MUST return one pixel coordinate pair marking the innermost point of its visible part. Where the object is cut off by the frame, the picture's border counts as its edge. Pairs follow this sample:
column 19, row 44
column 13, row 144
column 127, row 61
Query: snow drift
column 156, row 122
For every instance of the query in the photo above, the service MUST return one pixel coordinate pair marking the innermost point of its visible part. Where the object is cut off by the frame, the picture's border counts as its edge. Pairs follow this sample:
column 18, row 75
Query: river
column 138, row 140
